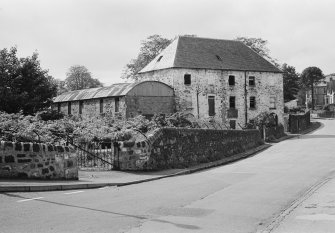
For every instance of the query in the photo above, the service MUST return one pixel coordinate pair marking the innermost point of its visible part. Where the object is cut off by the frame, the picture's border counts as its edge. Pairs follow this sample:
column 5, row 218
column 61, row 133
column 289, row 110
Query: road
column 250, row 195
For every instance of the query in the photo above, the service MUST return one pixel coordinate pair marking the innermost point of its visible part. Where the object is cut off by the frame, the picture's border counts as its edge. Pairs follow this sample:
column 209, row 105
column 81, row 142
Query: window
column 252, row 102
column 69, row 108
column 232, row 124
column 231, row 80
column 251, row 81
column 58, row 107
column 81, row 105
column 211, row 105
column 273, row 102
column 232, row 102
column 101, row 105
column 187, row 79
column 117, row 103
column 159, row 58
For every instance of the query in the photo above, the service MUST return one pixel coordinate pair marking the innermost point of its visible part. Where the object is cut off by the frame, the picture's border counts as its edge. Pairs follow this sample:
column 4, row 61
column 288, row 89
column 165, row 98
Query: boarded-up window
column 101, row 105
column 231, row 80
column 252, row 102
column 252, row 81
column 188, row 100
column 211, row 105
column 187, row 79
column 69, row 108
column 273, row 102
column 232, row 124
column 117, row 104
column 81, row 105
column 232, row 102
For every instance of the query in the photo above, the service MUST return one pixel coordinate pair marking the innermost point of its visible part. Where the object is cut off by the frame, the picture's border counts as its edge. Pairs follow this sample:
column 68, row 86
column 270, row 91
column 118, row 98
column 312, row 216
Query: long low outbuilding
column 124, row 100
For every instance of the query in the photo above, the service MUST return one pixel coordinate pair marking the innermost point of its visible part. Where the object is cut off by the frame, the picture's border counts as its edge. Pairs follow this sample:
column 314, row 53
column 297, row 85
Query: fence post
column 116, row 165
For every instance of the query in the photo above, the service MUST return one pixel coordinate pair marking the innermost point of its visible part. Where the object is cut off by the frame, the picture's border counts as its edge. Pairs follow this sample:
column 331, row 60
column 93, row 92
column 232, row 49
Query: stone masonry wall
column 299, row 122
column 215, row 83
column 36, row 160
column 91, row 107
column 180, row 147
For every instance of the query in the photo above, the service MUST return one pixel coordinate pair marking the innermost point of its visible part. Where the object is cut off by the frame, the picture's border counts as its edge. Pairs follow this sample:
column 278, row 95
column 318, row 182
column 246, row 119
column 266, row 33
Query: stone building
column 330, row 96
column 122, row 100
column 220, row 79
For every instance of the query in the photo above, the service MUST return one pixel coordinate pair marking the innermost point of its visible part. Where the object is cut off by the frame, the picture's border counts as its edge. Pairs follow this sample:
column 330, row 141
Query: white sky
column 104, row 35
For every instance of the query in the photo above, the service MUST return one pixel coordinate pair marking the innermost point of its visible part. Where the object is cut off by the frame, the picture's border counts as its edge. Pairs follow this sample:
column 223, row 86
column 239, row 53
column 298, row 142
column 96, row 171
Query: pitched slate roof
column 119, row 89
column 204, row 53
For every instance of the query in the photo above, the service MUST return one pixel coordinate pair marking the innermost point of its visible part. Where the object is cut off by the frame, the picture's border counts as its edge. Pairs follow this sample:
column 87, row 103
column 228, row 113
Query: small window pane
column 187, row 79
column 232, row 124
column 231, row 80
column 251, row 81
column 211, row 105
column 252, row 102
column 232, row 102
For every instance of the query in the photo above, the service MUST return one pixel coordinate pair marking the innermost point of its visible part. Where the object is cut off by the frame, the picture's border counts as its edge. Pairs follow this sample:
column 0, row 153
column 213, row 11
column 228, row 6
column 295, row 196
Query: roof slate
column 205, row 53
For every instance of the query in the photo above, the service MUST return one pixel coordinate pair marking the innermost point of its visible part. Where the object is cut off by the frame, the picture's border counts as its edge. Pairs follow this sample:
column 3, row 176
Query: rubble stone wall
column 180, row 147
column 37, row 160
column 205, row 83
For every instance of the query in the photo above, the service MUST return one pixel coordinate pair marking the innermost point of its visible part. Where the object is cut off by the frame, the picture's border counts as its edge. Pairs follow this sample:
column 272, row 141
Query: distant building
column 323, row 92
column 330, row 96
column 220, row 79
column 122, row 100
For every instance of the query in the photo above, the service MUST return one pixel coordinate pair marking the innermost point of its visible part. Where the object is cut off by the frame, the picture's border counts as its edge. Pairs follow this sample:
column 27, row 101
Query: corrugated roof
column 204, row 53
column 119, row 89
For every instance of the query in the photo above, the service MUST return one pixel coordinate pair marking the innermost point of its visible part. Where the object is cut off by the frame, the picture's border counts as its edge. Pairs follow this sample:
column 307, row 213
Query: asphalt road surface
column 250, row 195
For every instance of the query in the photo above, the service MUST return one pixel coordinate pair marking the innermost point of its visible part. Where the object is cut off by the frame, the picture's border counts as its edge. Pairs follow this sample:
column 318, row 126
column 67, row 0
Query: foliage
column 78, row 77
column 50, row 115
column 266, row 119
column 150, row 48
column 61, row 86
column 259, row 46
column 24, row 85
column 291, row 82
column 310, row 77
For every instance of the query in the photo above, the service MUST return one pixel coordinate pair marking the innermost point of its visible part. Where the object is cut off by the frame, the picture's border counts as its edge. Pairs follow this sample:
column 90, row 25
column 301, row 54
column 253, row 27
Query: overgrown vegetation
column 51, row 127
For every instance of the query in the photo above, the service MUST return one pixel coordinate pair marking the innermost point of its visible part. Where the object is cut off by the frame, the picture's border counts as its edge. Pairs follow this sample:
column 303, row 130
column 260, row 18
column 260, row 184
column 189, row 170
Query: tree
column 61, row 86
column 291, row 82
column 78, row 77
column 150, row 48
column 310, row 77
column 259, row 46
column 24, row 85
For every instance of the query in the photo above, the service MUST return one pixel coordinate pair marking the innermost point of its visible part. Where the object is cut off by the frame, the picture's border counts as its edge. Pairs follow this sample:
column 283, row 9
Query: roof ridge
column 208, row 38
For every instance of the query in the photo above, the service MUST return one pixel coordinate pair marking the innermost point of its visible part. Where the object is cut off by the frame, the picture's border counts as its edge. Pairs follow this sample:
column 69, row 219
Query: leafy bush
column 50, row 115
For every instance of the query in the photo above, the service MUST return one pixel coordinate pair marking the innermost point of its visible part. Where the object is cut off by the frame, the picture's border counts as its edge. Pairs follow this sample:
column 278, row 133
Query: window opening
column 232, row 102
column 187, row 79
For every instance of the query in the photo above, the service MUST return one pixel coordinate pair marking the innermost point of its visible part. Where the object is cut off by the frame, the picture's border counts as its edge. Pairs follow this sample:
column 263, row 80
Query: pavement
column 98, row 179
column 313, row 213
